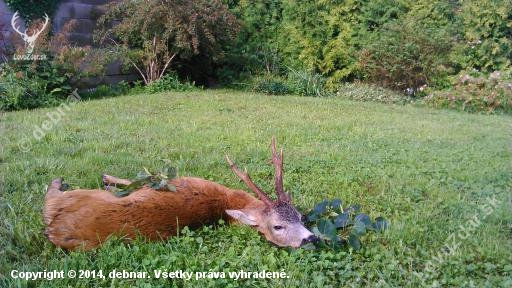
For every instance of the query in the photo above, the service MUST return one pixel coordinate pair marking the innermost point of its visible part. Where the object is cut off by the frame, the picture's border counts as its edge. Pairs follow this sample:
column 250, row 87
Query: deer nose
column 310, row 239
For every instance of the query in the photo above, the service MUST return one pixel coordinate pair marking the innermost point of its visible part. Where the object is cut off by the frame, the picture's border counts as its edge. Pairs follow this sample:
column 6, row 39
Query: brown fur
column 86, row 218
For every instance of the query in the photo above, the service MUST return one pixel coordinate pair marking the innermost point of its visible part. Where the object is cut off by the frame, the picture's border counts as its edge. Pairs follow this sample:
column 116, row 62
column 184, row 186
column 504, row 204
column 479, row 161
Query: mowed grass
column 428, row 171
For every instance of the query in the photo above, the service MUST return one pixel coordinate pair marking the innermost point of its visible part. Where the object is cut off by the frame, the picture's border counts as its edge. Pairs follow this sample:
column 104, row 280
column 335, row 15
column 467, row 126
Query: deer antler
column 13, row 24
column 278, row 164
column 247, row 179
column 47, row 20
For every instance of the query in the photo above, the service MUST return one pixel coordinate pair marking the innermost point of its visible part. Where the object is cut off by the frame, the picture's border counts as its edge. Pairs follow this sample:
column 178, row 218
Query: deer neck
column 239, row 199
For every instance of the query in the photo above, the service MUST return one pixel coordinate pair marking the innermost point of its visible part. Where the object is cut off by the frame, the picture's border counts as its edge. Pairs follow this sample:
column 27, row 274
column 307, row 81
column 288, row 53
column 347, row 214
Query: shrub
column 476, row 92
column 411, row 50
column 486, row 42
column 149, row 35
column 169, row 82
column 271, row 84
column 27, row 86
column 17, row 91
column 307, row 84
column 105, row 90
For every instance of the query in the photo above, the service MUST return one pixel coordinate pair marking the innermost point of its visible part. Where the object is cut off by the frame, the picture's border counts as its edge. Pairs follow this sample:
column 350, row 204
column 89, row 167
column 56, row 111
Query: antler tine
column 13, row 23
column 278, row 164
column 47, row 19
column 247, row 180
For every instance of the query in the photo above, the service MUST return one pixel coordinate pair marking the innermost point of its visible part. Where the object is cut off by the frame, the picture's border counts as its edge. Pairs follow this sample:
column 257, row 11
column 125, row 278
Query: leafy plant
column 305, row 83
column 170, row 82
column 271, row 84
column 157, row 180
column 476, row 92
column 338, row 226
column 149, row 35
column 103, row 91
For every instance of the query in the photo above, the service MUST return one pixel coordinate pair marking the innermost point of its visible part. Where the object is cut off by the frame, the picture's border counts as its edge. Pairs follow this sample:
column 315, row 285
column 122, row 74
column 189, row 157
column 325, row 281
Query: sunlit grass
column 427, row 171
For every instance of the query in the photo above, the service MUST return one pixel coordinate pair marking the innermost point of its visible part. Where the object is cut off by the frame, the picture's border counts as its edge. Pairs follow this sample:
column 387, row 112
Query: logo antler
column 29, row 40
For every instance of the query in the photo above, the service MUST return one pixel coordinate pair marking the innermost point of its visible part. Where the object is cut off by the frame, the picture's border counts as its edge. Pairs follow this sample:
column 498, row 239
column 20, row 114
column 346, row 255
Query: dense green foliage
column 427, row 171
column 420, row 49
column 27, row 85
column 339, row 225
column 396, row 44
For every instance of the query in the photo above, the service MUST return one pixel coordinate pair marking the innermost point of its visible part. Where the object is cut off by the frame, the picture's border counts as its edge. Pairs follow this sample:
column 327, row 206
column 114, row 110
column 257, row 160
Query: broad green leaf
column 336, row 205
column 321, row 207
column 328, row 229
column 363, row 218
column 359, row 228
column 342, row 220
column 354, row 208
column 354, row 242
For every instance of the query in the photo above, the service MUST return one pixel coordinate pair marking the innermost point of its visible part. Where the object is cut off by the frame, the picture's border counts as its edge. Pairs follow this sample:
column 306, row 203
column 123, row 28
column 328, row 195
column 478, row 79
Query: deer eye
column 278, row 227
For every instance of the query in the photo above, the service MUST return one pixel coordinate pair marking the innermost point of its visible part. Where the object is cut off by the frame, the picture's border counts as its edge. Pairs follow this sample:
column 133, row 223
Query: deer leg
column 109, row 180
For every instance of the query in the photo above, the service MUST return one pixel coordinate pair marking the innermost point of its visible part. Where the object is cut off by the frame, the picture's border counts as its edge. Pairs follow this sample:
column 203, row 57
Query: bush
column 307, row 84
column 486, row 42
column 26, row 86
column 150, row 35
column 271, row 84
column 169, row 82
column 476, row 92
column 112, row 90
column 411, row 50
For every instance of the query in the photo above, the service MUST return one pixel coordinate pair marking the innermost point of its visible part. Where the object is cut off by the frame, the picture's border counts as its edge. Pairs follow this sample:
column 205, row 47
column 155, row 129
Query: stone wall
column 84, row 13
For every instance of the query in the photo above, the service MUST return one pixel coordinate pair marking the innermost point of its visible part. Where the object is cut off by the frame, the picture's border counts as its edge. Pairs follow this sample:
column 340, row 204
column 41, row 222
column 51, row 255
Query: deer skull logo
column 30, row 40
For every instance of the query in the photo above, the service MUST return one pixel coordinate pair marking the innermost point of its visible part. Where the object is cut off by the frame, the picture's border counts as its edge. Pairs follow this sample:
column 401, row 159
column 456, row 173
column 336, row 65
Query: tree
column 150, row 34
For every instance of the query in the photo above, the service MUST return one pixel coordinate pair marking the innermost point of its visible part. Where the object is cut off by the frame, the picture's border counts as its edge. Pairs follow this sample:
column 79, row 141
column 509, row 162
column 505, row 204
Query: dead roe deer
column 86, row 218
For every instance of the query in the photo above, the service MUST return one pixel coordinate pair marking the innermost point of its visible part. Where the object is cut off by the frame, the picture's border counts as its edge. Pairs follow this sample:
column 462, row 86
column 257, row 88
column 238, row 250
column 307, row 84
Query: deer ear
column 242, row 216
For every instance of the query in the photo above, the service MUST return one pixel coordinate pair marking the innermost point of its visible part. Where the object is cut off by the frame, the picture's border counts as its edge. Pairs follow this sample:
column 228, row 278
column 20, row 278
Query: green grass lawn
column 430, row 172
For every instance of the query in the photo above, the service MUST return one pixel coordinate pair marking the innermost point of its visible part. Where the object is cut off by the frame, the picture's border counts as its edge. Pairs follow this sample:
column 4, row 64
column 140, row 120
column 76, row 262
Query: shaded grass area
column 427, row 171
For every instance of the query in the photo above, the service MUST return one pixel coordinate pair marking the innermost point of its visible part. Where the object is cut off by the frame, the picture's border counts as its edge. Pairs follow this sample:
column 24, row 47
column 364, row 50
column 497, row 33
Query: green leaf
column 363, row 218
column 354, row 208
column 327, row 228
column 336, row 205
column 342, row 220
column 354, row 242
column 312, row 217
column 359, row 228
column 321, row 207
column 55, row 90
column 123, row 193
column 309, row 246
column 143, row 174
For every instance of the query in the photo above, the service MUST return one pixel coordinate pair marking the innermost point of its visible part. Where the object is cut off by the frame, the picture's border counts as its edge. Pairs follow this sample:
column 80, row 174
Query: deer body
column 86, row 218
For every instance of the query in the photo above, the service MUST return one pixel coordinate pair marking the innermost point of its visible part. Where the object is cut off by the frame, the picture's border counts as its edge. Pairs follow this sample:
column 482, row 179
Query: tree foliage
column 152, row 33
column 398, row 44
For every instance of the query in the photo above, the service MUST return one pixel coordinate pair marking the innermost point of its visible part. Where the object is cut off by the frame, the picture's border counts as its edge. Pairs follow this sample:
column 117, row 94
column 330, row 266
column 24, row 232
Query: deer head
column 278, row 220
column 30, row 41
